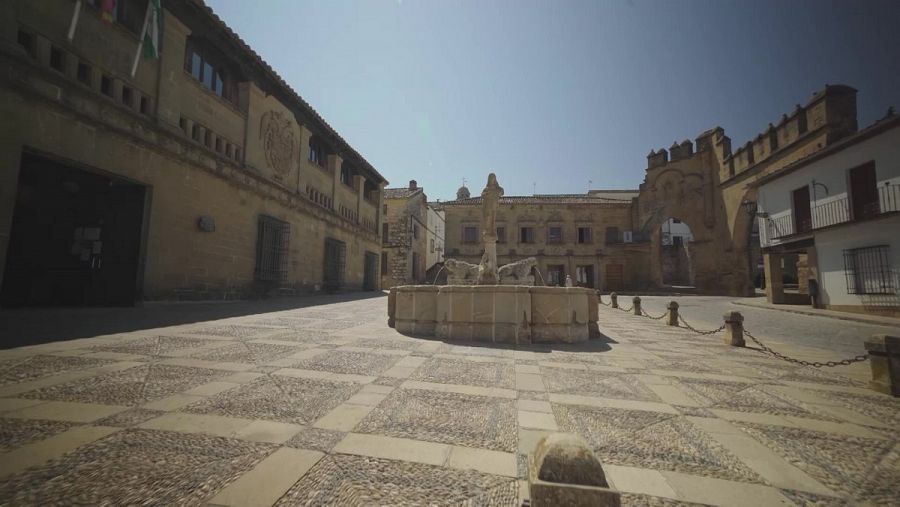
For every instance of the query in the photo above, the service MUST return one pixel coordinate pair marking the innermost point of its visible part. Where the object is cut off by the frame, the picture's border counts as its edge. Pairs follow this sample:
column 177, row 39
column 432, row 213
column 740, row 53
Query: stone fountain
column 488, row 303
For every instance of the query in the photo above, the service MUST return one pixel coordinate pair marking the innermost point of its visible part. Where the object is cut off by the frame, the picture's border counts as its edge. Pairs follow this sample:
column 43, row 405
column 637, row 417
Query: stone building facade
column 709, row 187
column 588, row 237
column 201, row 176
column 404, row 236
column 703, row 183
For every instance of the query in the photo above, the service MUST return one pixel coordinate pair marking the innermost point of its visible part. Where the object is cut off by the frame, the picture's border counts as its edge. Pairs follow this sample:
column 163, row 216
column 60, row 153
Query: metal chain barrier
column 763, row 348
column 814, row 364
column 645, row 314
column 600, row 298
column 692, row 328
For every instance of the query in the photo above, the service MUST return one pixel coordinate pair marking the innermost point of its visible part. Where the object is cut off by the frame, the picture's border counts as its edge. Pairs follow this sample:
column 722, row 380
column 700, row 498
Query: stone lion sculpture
column 460, row 272
column 519, row 272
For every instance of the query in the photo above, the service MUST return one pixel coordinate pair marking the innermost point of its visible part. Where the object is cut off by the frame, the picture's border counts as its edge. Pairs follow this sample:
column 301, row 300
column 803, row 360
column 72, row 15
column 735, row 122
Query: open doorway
column 675, row 253
column 75, row 238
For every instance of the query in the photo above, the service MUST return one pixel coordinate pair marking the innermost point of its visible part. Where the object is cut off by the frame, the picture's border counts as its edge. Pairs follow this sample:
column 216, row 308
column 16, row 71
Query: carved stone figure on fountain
column 488, row 273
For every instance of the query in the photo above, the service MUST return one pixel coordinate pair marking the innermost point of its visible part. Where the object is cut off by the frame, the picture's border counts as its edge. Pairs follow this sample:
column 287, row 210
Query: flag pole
column 137, row 55
column 75, row 14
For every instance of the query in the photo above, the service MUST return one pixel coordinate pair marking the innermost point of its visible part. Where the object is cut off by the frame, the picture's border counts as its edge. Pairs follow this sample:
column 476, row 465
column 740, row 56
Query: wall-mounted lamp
column 749, row 207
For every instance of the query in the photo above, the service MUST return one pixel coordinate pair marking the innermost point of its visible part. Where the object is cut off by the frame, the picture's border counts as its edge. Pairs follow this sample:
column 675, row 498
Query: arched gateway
column 705, row 185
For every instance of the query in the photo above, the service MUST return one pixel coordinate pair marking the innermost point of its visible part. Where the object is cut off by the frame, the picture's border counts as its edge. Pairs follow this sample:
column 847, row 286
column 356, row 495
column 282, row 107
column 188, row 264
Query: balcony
column 834, row 212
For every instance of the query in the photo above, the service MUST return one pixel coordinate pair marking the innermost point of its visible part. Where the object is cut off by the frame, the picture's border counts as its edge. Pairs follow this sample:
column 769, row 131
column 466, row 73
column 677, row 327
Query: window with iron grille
column 469, row 234
column 868, row 270
column 272, row 240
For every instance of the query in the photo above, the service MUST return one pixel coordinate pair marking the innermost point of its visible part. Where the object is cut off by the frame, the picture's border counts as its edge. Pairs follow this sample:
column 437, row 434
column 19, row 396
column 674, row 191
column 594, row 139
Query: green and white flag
column 151, row 35
column 149, row 44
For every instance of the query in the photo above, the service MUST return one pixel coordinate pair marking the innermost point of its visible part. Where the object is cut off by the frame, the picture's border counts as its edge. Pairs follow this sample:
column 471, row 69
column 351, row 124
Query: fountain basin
column 495, row 313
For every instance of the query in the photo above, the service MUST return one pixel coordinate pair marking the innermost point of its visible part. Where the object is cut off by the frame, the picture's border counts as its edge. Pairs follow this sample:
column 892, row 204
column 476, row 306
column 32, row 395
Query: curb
column 848, row 317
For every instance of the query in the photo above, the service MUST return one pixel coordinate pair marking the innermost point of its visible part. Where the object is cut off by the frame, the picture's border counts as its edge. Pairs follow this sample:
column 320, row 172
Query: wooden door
column 863, row 191
column 802, row 212
column 615, row 277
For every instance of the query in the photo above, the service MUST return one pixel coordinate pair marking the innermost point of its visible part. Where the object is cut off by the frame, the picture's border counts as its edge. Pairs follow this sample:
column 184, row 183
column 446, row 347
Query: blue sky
column 555, row 94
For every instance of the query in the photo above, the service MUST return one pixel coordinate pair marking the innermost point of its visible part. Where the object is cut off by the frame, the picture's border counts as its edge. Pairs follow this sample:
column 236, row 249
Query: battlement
column 830, row 111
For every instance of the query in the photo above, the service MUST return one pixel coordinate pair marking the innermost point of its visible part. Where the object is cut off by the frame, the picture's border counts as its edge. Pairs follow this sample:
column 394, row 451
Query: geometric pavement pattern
column 326, row 405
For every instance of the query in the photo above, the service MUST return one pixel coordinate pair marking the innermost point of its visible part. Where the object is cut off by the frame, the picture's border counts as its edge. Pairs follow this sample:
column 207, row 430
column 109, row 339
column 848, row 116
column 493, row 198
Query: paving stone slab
column 450, row 418
column 132, row 466
column 463, row 371
column 129, row 387
column 18, row 432
column 342, row 361
column 278, row 398
column 14, row 371
column 651, row 440
column 344, row 480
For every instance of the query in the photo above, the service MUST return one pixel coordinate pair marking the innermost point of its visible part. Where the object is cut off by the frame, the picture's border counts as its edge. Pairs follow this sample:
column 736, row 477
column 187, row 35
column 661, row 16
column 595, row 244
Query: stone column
column 303, row 153
column 774, row 281
column 637, row 305
column 614, row 300
column 734, row 329
column 334, row 167
column 672, row 313
column 884, row 359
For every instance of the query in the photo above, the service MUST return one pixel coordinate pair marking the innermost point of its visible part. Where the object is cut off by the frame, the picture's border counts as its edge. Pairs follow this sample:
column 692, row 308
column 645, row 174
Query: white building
column 675, row 232
column 838, row 212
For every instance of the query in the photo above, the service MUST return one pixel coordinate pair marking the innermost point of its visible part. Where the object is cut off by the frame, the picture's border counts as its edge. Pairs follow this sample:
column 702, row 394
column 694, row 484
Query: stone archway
column 675, row 238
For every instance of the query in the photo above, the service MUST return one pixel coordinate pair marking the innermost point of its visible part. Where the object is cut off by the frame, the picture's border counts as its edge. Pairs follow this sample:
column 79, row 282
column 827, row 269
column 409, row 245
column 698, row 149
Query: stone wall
column 402, row 215
column 54, row 115
column 629, row 258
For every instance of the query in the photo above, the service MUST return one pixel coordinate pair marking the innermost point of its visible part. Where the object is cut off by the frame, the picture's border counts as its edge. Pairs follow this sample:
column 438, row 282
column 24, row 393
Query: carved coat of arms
column 278, row 141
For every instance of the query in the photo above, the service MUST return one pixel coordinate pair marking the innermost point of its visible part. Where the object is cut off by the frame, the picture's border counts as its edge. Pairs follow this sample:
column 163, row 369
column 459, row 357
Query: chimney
column 413, row 185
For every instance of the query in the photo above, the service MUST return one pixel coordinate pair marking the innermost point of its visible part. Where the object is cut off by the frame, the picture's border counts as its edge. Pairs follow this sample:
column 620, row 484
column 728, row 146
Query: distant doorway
column 584, row 276
column 675, row 253
column 75, row 238
column 615, row 277
column 370, row 271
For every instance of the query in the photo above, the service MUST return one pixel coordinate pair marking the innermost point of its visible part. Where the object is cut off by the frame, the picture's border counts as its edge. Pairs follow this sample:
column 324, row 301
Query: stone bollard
column 637, row 305
column 565, row 471
column 392, row 307
column 734, row 329
column 884, row 359
column 673, row 313
column 615, row 300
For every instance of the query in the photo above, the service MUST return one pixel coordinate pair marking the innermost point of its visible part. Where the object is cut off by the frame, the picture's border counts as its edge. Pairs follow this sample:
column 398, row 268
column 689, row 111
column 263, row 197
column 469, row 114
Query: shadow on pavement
column 32, row 326
column 599, row 343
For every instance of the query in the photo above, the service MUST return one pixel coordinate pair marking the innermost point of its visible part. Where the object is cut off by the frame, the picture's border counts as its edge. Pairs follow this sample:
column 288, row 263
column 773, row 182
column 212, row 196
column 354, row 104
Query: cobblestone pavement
column 843, row 337
column 327, row 405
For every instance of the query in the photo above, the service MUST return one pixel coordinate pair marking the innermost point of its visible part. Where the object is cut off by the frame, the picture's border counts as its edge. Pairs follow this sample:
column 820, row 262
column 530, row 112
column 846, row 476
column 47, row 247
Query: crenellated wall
column 705, row 185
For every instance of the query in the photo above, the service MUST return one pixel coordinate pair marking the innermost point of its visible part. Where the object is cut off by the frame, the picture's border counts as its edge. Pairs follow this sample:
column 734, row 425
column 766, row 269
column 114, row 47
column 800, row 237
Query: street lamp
column 750, row 207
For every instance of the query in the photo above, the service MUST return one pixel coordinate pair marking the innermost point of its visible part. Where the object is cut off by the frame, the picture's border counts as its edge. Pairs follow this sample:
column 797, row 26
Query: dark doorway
column 802, row 211
column 370, row 270
column 863, row 191
column 584, row 275
column 615, row 277
column 335, row 264
column 75, row 238
column 556, row 274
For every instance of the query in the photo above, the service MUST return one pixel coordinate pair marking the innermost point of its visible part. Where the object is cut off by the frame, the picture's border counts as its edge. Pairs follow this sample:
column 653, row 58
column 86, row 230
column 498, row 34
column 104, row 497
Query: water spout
column 538, row 271
column 438, row 275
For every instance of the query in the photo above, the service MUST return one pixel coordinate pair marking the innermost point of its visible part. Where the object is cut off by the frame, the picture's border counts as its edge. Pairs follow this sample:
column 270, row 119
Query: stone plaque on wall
column 277, row 138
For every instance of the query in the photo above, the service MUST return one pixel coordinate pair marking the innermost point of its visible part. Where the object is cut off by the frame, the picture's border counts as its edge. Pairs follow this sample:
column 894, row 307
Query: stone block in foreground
column 564, row 471
column 884, row 359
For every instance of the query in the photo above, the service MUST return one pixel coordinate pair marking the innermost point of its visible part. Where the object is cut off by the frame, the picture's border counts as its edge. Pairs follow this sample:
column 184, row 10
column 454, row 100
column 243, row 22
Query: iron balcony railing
column 780, row 227
column 836, row 211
